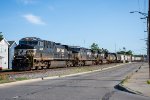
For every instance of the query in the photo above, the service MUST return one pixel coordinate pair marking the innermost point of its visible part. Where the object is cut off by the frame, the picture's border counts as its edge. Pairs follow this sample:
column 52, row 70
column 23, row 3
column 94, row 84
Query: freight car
column 111, row 58
column 120, row 58
column 137, row 58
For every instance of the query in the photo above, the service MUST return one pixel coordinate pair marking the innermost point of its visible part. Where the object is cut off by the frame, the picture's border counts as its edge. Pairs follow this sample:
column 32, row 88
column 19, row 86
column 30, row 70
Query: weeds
column 5, row 79
column 125, row 80
column 148, row 82
column 21, row 78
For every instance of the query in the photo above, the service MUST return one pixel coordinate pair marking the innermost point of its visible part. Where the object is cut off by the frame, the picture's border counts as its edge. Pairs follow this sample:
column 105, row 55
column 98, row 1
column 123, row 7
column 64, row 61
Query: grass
column 6, row 79
column 148, row 82
column 125, row 80
column 21, row 78
column 3, row 77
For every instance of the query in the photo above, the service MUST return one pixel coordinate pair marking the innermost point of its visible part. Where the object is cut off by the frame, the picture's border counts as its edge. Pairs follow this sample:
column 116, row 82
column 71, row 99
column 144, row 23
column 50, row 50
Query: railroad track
column 45, row 70
column 32, row 71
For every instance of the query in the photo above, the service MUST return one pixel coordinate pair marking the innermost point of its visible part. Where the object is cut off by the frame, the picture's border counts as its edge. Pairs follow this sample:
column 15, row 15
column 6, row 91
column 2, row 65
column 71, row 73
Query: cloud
column 34, row 19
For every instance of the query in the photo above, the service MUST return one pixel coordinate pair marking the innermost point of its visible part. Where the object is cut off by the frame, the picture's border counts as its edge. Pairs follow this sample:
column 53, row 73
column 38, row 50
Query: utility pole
column 115, row 48
column 147, row 16
column 148, row 22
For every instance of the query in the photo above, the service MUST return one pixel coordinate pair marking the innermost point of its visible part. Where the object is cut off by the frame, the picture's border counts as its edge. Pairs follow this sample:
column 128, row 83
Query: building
column 3, row 53
column 12, row 45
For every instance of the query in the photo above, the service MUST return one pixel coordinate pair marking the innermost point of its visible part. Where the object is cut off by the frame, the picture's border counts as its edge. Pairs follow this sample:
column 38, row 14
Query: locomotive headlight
column 34, row 51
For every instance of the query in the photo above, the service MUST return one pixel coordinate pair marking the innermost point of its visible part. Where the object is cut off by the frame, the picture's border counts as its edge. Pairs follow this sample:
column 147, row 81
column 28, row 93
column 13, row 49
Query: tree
column 95, row 47
column 1, row 36
column 105, row 51
column 121, row 52
column 129, row 52
column 124, row 49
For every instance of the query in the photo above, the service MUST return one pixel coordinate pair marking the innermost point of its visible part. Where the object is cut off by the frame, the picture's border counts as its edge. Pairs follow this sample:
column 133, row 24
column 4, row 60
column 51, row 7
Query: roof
column 30, row 39
column 11, row 43
column 1, row 39
column 4, row 40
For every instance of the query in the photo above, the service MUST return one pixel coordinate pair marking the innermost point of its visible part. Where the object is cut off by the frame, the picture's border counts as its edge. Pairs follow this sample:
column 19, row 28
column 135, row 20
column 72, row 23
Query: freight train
column 35, row 53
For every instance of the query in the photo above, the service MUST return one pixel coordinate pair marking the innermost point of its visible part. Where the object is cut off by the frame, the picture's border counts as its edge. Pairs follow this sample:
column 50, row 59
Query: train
column 34, row 53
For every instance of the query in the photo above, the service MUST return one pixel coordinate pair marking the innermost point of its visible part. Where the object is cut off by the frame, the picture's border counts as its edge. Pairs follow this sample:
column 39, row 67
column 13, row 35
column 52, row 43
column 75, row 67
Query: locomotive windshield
column 29, row 42
column 75, row 49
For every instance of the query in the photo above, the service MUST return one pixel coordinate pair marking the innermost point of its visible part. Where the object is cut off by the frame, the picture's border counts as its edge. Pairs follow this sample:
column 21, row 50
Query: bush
column 148, row 81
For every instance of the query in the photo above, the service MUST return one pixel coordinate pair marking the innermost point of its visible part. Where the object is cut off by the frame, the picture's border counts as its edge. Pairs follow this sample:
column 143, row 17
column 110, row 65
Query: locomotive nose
column 21, row 63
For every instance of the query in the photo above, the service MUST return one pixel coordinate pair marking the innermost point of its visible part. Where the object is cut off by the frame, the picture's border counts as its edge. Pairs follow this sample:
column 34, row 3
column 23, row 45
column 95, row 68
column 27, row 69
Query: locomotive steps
column 54, row 74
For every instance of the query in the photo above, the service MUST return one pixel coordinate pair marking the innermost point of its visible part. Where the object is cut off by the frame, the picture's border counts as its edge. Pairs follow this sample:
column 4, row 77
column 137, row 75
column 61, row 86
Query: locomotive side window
column 41, row 43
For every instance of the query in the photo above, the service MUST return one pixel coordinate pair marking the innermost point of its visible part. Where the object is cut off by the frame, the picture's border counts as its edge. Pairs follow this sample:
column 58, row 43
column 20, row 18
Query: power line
column 139, row 5
column 144, row 7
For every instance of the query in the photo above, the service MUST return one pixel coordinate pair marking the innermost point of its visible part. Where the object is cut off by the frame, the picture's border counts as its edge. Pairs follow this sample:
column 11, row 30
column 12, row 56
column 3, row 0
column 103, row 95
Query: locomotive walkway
column 137, row 83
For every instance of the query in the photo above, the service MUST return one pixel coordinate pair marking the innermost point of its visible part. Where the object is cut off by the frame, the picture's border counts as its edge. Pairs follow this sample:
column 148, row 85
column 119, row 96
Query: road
column 93, row 86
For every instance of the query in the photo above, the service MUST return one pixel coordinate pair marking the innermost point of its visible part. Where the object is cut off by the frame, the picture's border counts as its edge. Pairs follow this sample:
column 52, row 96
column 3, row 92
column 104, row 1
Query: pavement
column 137, row 83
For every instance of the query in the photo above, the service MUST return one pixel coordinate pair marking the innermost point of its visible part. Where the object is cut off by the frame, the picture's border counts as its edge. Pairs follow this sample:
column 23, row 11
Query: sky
column 108, row 23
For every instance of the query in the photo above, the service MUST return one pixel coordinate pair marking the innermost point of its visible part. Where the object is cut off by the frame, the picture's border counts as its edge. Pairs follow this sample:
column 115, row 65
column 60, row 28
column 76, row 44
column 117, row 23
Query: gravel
column 56, row 72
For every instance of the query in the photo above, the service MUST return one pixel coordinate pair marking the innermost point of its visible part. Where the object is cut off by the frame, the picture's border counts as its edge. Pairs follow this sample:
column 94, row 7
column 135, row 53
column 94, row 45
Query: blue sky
column 77, row 22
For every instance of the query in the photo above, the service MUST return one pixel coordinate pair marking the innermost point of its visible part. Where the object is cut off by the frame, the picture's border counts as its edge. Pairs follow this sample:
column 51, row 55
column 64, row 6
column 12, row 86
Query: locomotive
column 35, row 53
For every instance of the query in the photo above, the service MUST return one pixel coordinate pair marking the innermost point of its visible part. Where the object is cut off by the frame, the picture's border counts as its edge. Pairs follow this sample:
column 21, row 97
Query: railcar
column 120, row 58
column 137, row 58
column 129, row 58
column 111, row 58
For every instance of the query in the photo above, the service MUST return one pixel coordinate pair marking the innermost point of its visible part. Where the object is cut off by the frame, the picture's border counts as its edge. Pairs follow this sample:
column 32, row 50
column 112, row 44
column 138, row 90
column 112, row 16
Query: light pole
column 148, row 22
